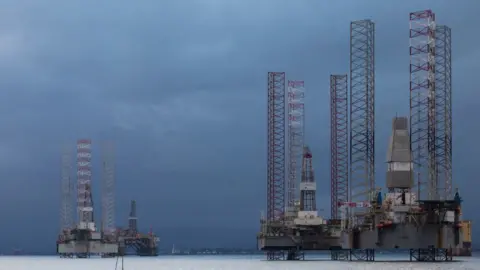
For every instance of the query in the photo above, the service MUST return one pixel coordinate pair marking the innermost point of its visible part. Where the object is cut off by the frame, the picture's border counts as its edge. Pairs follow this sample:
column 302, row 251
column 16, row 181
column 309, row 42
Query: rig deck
column 282, row 242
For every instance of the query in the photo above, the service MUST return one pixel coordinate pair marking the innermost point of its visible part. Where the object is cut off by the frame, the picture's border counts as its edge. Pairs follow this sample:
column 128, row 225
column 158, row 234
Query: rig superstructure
column 419, row 211
column 84, row 239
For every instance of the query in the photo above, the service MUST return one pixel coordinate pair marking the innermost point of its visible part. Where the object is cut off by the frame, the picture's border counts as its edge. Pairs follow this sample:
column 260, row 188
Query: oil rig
column 143, row 244
column 84, row 239
column 288, row 231
column 420, row 212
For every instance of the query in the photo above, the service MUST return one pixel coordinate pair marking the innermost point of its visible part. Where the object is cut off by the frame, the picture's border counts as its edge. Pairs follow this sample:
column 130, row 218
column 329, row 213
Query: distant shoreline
column 209, row 252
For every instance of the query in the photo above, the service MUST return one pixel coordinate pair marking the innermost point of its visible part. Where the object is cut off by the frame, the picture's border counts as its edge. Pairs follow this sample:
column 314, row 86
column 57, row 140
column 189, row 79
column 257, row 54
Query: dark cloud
column 180, row 86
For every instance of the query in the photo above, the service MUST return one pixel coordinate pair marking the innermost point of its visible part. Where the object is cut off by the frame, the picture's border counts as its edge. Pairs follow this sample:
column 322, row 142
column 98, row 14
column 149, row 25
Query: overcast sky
column 180, row 87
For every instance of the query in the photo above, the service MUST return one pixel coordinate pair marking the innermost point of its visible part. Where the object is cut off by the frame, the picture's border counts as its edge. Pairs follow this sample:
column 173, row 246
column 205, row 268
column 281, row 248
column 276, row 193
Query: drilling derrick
column 362, row 112
column 308, row 186
column 313, row 228
column 108, row 185
column 443, row 109
column 296, row 94
column 132, row 218
column 338, row 142
column 422, row 101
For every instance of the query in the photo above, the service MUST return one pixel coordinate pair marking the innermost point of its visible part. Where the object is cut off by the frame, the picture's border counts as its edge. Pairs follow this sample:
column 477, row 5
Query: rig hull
column 314, row 237
column 283, row 242
column 86, row 247
column 403, row 236
column 301, row 243
column 83, row 243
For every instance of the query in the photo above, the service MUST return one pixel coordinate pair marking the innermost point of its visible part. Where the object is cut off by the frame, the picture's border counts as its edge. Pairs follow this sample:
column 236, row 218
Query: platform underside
column 403, row 236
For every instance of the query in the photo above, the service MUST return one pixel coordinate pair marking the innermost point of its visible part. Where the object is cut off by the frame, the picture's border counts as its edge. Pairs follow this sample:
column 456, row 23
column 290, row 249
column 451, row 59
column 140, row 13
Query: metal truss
column 296, row 131
column 362, row 110
column 443, row 110
column 108, row 188
column 338, row 142
column 422, row 101
column 66, row 210
column 276, row 146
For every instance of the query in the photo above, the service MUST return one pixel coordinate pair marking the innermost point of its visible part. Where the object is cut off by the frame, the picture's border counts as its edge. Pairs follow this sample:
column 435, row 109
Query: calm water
column 219, row 263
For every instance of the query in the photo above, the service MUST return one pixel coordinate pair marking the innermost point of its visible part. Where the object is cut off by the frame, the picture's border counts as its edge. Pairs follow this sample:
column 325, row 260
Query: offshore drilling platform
column 83, row 239
column 288, row 231
column 143, row 244
column 420, row 212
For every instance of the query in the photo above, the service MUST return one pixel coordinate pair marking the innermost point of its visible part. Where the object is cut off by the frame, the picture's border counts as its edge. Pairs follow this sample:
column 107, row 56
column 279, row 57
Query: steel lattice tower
column 108, row 188
column 276, row 146
column 362, row 110
column 308, row 200
column 66, row 210
column 443, row 109
column 422, row 100
column 296, row 130
column 84, row 178
column 338, row 142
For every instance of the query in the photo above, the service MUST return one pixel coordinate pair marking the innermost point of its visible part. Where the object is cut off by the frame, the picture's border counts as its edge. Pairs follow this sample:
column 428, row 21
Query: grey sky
column 180, row 86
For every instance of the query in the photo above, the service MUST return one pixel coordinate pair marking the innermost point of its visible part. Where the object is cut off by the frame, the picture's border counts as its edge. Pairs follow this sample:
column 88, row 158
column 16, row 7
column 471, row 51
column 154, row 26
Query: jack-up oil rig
column 419, row 212
column 84, row 239
column 287, row 232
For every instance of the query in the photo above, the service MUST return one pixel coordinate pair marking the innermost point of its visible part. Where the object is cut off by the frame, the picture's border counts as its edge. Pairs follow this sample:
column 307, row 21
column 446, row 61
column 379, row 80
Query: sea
column 223, row 262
